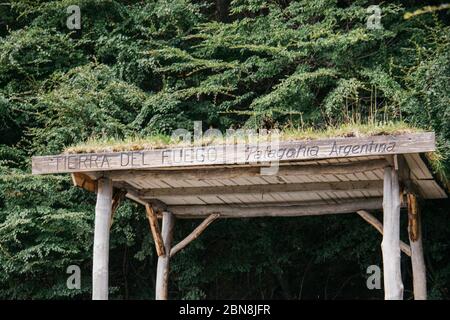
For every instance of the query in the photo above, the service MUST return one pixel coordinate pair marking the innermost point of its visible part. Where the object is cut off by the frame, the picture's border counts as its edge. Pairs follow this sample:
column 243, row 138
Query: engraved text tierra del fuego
column 223, row 154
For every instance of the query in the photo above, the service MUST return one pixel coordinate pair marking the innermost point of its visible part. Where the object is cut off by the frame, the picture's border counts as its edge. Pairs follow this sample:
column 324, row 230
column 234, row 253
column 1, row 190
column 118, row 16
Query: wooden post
column 162, row 273
column 393, row 285
column 101, row 240
column 415, row 240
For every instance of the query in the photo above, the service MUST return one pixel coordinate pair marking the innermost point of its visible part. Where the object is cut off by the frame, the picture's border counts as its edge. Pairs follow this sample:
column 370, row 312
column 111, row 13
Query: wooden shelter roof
column 297, row 178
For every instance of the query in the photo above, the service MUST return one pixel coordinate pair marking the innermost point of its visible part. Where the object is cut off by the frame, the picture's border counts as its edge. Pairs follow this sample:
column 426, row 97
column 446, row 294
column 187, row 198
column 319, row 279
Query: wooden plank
column 225, row 174
column 197, row 183
column 210, row 199
column 370, row 175
column 230, row 199
column 154, row 227
column 418, row 168
column 194, row 234
column 101, row 240
column 157, row 183
column 332, row 178
column 285, row 209
column 264, row 188
column 429, row 189
column 132, row 184
column 393, row 285
column 361, row 176
column 236, row 154
column 181, row 200
column 132, row 195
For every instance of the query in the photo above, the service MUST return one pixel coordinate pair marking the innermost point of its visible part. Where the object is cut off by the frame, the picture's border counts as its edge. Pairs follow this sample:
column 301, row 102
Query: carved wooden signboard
column 236, row 154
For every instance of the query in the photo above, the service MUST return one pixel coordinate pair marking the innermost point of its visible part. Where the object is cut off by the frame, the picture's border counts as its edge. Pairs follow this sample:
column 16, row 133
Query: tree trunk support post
column 162, row 273
column 393, row 285
column 414, row 230
column 100, row 263
column 415, row 240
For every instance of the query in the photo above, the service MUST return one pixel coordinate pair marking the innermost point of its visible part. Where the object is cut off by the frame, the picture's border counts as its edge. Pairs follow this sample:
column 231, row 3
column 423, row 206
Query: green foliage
column 41, row 233
column 33, row 53
column 87, row 101
column 140, row 68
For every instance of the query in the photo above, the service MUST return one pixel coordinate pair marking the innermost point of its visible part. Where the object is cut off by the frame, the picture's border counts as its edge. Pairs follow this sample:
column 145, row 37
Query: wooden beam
column 236, row 154
column 156, row 204
column 419, row 170
column 154, row 227
column 374, row 222
column 101, row 240
column 194, row 234
column 133, row 195
column 163, row 269
column 393, row 285
column 420, row 181
column 415, row 240
column 272, row 210
column 369, row 185
column 204, row 174
column 84, row 181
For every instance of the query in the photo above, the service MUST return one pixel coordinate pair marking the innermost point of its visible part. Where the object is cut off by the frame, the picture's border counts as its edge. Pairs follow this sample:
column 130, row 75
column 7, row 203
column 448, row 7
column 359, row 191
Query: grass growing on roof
column 135, row 143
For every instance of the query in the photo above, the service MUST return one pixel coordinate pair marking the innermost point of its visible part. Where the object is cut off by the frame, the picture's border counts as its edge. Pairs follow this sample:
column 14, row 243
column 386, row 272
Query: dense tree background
column 146, row 67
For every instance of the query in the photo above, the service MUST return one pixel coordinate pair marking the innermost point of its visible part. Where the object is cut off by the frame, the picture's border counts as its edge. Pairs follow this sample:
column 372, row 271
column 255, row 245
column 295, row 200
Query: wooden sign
column 236, row 154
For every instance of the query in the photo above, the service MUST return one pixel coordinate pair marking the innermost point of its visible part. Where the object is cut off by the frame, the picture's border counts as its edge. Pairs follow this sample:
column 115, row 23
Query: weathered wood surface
column 368, row 185
column 194, row 234
column 419, row 180
column 101, row 240
column 203, row 174
column 133, row 195
column 266, row 210
column 430, row 189
column 374, row 222
column 393, row 285
column 415, row 240
column 418, row 168
column 84, row 181
column 154, row 227
column 163, row 268
column 235, row 154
